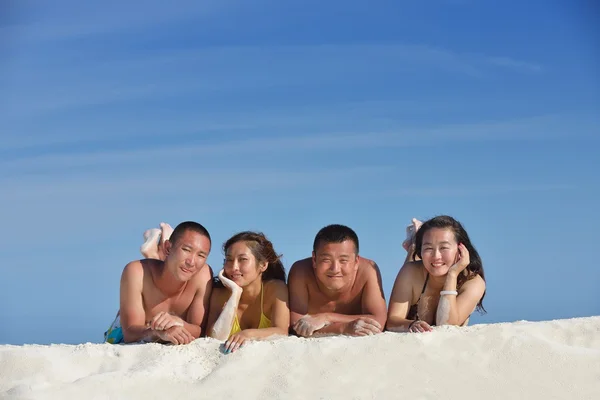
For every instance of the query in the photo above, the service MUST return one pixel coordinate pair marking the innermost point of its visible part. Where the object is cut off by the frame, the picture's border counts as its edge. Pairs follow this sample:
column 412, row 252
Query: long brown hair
column 475, row 266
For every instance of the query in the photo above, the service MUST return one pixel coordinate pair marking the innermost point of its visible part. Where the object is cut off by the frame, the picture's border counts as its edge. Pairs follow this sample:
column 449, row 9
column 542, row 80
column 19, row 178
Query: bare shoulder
column 367, row 265
column 138, row 268
column 203, row 276
column 138, row 275
column 219, row 295
column 476, row 284
column 275, row 288
column 301, row 269
column 134, row 268
column 411, row 269
column 368, row 269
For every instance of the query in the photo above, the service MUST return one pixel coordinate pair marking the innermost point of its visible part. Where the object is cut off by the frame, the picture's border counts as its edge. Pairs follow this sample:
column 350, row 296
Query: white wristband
column 451, row 292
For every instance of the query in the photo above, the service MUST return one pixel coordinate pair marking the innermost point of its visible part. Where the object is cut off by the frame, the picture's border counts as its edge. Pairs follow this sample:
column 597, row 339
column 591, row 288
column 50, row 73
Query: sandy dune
column 522, row 360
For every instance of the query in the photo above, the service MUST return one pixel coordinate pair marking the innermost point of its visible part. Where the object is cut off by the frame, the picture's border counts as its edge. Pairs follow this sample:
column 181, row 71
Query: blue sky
column 284, row 117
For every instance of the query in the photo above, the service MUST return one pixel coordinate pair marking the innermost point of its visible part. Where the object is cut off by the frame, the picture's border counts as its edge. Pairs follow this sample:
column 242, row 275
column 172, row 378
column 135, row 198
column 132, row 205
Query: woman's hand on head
column 420, row 326
column 228, row 283
column 463, row 260
column 235, row 342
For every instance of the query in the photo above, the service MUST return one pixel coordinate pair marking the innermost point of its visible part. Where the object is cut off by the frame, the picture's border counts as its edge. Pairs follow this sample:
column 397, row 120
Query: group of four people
column 171, row 296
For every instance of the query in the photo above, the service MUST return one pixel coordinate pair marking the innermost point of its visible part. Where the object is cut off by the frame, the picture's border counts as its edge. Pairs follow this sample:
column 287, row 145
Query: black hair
column 475, row 266
column 188, row 226
column 335, row 233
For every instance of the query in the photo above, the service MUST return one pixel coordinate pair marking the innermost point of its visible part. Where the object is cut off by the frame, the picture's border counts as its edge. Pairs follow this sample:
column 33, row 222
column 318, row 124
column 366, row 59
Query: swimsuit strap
column 424, row 285
column 419, row 299
column 261, row 298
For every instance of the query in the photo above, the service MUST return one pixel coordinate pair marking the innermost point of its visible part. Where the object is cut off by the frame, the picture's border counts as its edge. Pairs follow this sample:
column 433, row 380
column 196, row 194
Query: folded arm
column 456, row 309
column 132, row 314
column 400, row 299
column 221, row 319
column 197, row 315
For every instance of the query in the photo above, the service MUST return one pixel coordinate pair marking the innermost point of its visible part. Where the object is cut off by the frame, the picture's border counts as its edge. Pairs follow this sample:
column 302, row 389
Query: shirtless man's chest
column 156, row 301
column 348, row 303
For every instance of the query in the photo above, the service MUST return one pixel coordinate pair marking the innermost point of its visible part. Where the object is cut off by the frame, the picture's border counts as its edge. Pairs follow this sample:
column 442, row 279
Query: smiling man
column 337, row 292
column 166, row 301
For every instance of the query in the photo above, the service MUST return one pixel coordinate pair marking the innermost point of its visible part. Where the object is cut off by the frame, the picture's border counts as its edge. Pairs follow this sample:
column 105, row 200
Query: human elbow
column 382, row 319
column 129, row 336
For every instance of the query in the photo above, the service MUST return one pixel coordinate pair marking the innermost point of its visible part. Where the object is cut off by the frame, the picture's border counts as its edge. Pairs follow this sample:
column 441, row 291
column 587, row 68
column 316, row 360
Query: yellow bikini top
column 265, row 322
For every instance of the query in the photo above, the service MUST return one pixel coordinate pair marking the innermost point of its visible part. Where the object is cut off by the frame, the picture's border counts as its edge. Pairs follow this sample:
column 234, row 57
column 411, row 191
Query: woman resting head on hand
column 443, row 283
column 250, row 299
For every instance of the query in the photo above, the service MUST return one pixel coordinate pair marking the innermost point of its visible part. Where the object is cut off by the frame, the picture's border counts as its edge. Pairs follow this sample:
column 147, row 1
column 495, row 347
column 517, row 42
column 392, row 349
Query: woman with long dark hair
column 443, row 284
column 249, row 301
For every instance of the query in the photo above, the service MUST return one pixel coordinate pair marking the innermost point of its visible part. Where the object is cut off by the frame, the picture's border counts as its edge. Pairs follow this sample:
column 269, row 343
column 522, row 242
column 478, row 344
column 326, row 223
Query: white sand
column 522, row 360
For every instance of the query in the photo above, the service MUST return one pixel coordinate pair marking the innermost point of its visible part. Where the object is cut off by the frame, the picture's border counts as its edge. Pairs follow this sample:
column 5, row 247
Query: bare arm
column 132, row 314
column 400, row 299
column 455, row 310
column 197, row 314
column 298, row 293
column 223, row 318
column 373, row 299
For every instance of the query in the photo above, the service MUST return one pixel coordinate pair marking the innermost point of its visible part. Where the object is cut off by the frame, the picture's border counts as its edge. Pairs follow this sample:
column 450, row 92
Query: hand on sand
column 235, row 342
column 229, row 284
column 308, row 324
column 420, row 326
column 411, row 231
column 463, row 260
column 362, row 326
column 164, row 321
column 175, row 335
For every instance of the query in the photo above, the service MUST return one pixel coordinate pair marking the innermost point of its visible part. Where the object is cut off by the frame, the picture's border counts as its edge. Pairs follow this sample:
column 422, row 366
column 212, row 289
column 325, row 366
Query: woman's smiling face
column 439, row 251
column 240, row 264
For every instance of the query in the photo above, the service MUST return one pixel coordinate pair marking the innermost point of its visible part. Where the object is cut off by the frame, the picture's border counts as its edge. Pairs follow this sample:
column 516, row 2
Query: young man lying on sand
column 337, row 291
column 167, row 300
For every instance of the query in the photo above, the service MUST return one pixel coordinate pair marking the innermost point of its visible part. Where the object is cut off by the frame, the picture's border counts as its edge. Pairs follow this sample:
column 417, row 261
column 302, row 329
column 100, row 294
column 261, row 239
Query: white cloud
column 216, row 151
column 517, row 65
column 69, row 85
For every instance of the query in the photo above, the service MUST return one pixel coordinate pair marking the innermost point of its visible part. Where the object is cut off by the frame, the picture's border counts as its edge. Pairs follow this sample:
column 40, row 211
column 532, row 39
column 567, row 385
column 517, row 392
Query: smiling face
column 241, row 266
column 439, row 251
column 335, row 264
column 187, row 255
